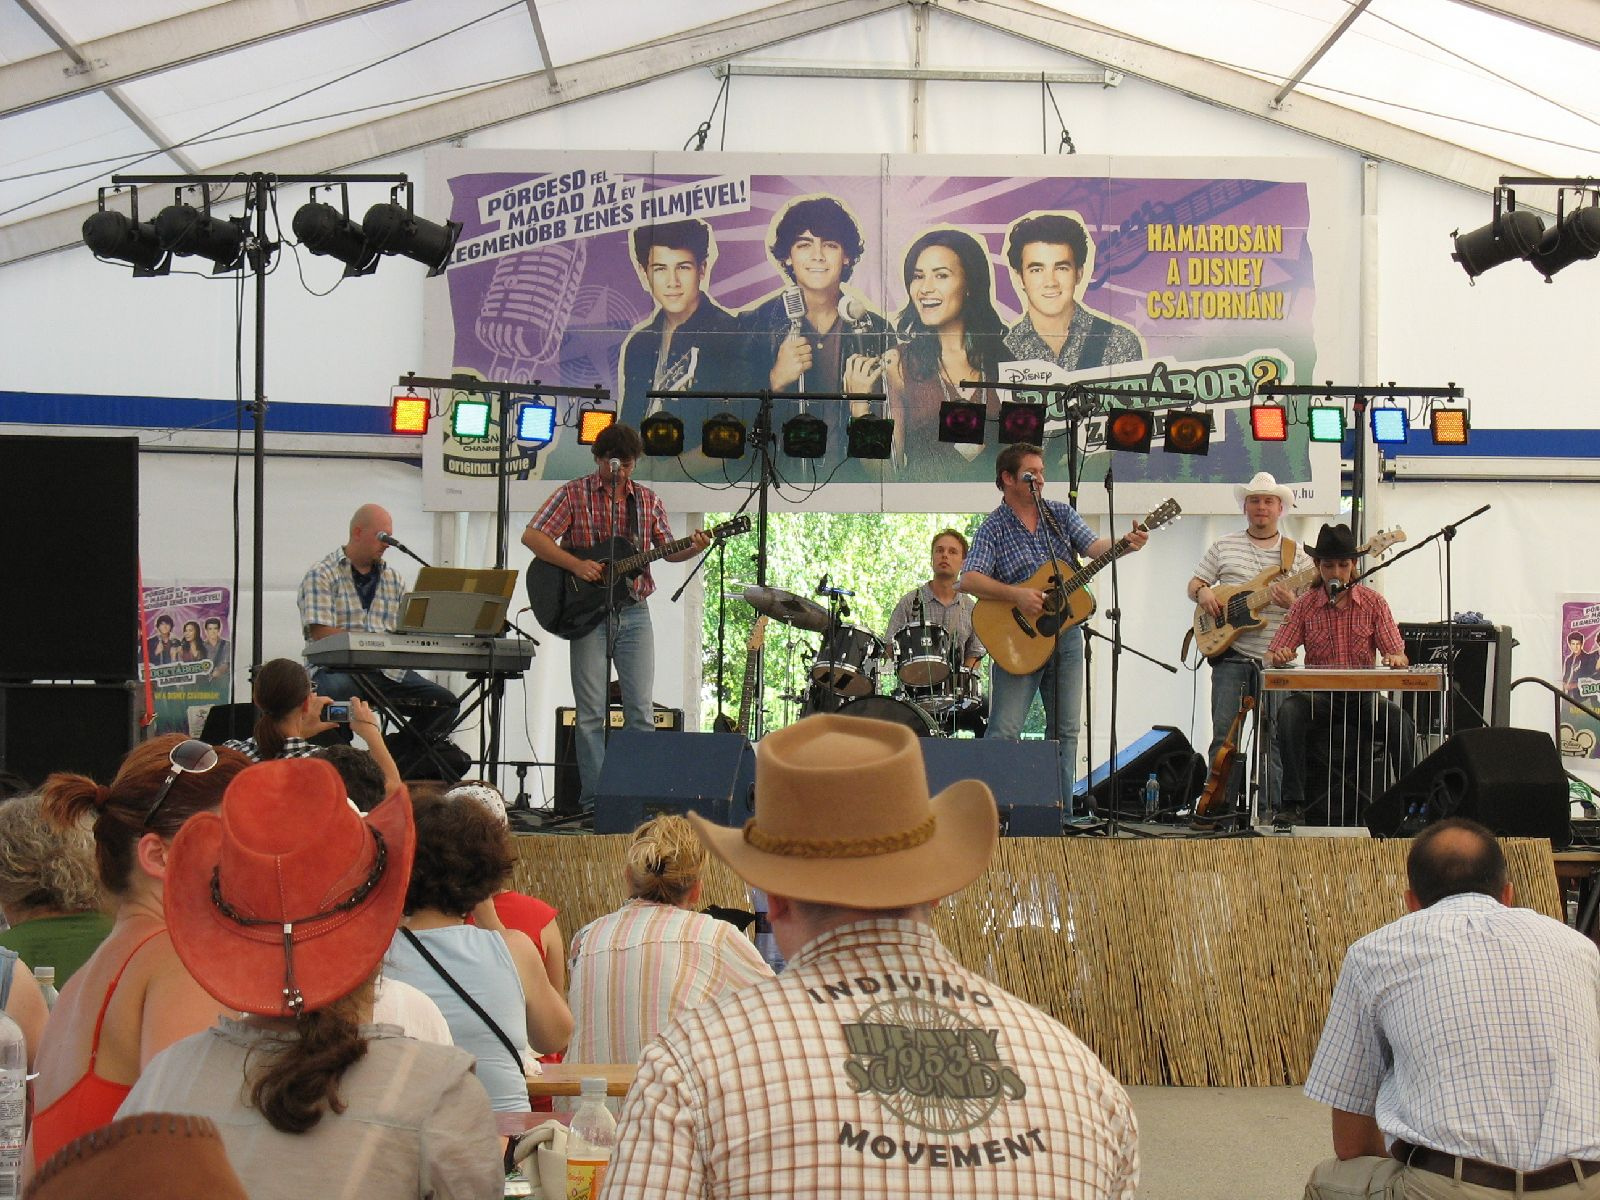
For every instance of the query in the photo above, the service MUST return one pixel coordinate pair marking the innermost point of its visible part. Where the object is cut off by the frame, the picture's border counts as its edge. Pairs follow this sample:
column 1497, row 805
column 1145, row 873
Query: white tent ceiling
column 1465, row 90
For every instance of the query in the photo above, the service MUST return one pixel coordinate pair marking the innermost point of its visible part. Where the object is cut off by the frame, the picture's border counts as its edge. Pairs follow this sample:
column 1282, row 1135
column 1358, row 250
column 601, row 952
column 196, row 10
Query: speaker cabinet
column 568, row 786
column 1164, row 752
column 1024, row 777
column 1481, row 671
column 1508, row 779
column 712, row 774
column 67, row 614
column 85, row 728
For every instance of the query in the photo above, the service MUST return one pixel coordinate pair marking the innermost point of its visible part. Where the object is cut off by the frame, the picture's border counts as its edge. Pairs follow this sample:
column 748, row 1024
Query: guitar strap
column 1287, row 549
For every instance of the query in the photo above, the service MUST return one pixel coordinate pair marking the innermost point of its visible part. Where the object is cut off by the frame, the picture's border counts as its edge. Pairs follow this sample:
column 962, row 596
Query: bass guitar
column 1021, row 645
column 569, row 607
column 1242, row 603
column 1215, row 793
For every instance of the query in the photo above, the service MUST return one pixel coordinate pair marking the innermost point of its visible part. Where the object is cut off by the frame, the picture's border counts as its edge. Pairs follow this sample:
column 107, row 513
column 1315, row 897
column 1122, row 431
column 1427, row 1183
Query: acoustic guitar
column 1021, row 645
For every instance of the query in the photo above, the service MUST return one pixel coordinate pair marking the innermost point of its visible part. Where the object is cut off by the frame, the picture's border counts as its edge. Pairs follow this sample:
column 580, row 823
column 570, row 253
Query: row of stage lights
column 472, row 420
column 1390, row 424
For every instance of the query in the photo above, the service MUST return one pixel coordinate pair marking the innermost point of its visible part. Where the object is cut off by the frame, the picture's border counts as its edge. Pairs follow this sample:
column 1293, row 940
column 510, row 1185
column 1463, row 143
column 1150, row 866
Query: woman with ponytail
column 283, row 905
column 133, row 997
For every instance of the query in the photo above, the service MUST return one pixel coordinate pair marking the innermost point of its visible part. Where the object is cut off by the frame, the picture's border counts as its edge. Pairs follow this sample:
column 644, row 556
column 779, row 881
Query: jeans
column 1233, row 677
column 1060, row 683
column 634, row 657
column 1348, row 724
column 429, row 708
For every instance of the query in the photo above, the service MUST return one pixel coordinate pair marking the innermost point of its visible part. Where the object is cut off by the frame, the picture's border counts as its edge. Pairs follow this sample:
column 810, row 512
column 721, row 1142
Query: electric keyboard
column 420, row 652
column 1428, row 677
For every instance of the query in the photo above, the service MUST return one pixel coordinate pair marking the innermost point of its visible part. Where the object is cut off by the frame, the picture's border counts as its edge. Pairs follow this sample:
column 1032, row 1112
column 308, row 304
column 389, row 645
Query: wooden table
column 565, row 1079
column 1580, row 870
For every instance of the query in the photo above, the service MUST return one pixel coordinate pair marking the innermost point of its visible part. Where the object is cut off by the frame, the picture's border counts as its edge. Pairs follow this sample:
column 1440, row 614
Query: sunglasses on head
column 192, row 757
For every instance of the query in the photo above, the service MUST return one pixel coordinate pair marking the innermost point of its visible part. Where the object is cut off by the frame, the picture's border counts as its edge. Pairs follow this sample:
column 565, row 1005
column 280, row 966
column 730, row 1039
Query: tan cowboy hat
column 1264, row 484
column 843, row 816
column 152, row 1156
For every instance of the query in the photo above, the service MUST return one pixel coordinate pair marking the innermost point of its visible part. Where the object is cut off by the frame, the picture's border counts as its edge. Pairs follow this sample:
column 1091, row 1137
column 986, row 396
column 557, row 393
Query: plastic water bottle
column 590, row 1140
column 46, row 977
column 13, row 1106
column 1152, row 797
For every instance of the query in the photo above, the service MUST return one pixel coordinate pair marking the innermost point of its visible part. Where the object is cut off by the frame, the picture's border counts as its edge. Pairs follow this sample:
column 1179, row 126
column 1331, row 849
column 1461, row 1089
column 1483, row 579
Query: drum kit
column 926, row 687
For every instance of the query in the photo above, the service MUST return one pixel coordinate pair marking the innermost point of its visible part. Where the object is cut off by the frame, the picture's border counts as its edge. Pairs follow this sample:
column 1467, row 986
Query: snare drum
column 922, row 655
column 887, row 708
column 849, row 661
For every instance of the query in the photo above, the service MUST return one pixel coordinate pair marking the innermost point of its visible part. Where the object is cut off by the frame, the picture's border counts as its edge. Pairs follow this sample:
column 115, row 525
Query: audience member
column 290, row 714
column 876, row 1064
column 12, row 784
column 22, row 1001
column 637, row 968
column 133, row 998
column 363, row 778
column 487, row 980
column 1461, row 1055
column 48, row 891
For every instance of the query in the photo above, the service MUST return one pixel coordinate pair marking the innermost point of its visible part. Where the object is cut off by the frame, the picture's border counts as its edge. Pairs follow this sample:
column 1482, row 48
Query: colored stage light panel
column 1269, row 423
column 805, row 436
column 536, row 424
column 662, row 435
column 592, row 422
column 470, row 419
column 1130, row 430
column 1188, row 433
column 409, row 414
column 1021, row 422
column 961, row 422
column 1327, row 423
column 723, row 436
column 1390, row 426
column 870, row 437
column 1450, row 426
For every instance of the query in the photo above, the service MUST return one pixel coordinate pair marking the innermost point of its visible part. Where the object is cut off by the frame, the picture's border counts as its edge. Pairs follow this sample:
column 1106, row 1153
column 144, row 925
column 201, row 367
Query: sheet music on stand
column 454, row 601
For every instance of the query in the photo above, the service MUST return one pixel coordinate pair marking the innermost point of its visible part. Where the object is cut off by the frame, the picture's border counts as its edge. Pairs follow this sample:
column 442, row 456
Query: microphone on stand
column 1029, row 478
column 388, row 539
column 616, row 465
column 822, row 585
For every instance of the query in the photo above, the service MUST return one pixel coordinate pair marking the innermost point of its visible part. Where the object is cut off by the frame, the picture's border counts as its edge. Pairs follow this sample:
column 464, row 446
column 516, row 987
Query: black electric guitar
column 570, row 607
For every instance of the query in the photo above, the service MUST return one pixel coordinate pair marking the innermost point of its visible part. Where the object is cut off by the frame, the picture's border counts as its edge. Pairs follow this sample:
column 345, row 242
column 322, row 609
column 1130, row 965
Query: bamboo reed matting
column 1196, row 963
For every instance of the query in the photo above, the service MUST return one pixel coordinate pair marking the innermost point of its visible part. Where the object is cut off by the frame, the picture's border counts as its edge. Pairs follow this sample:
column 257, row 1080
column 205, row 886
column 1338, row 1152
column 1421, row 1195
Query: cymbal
column 788, row 608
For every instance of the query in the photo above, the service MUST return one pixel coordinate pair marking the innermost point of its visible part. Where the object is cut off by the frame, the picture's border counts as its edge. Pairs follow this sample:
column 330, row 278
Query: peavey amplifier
column 1481, row 674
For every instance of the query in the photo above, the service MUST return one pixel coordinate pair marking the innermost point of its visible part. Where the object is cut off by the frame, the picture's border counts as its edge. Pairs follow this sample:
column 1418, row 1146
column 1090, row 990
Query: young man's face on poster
column 1050, row 275
column 674, row 278
column 817, row 263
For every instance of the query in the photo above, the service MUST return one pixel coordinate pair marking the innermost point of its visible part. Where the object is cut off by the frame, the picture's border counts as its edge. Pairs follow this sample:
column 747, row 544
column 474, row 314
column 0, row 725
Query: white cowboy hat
column 1264, row 485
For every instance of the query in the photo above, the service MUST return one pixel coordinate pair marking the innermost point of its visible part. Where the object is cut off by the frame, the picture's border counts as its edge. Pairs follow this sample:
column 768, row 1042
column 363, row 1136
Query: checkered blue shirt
column 1005, row 551
column 1470, row 1028
column 328, row 597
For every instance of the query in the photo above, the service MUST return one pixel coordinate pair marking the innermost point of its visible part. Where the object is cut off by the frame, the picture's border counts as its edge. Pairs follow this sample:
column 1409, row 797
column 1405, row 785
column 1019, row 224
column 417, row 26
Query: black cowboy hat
column 1334, row 541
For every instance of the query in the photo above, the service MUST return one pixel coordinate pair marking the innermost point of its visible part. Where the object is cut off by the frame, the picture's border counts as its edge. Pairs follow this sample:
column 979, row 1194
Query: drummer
column 940, row 603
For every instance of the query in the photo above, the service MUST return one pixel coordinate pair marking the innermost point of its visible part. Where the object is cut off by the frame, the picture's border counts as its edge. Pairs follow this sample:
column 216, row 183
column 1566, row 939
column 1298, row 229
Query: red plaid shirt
column 1350, row 636
column 583, row 513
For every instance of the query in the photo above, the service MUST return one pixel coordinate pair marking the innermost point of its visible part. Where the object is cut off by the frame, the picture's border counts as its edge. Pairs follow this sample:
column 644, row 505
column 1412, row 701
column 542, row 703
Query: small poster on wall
column 187, row 652
column 1580, row 674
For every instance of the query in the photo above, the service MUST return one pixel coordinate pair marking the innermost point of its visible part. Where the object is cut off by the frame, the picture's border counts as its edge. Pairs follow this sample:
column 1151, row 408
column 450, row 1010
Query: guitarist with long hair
column 1010, row 547
column 587, row 512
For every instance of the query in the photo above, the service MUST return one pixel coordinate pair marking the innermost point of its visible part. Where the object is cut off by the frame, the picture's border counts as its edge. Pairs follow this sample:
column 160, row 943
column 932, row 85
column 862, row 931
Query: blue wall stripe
column 173, row 412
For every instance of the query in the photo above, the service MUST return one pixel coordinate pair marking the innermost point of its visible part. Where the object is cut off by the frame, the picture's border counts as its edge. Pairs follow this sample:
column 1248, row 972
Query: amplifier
column 1481, row 673
column 567, row 784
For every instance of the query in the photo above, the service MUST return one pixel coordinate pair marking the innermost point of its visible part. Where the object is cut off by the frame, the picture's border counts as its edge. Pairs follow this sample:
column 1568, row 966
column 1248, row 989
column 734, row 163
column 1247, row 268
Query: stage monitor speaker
column 1481, row 674
column 229, row 722
column 568, row 786
column 85, row 728
column 66, row 613
column 1166, row 753
column 1508, row 779
column 712, row 774
column 1024, row 776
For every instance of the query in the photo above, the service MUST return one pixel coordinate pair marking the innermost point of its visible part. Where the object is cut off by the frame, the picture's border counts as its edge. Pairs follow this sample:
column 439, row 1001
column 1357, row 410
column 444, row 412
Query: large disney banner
column 914, row 279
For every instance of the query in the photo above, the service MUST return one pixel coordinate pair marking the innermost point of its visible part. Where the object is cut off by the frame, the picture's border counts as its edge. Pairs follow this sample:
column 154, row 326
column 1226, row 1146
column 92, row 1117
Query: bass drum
column 887, row 708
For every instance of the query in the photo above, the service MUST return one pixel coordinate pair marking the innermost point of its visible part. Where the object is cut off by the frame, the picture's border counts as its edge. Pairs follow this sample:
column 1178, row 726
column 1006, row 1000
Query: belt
column 1491, row 1176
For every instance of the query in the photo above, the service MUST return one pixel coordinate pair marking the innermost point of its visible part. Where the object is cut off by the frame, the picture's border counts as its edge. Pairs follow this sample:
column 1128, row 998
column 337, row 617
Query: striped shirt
column 1238, row 558
column 875, row 1065
column 1351, row 635
column 328, row 597
column 583, row 512
column 634, row 970
column 1470, row 1028
column 1006, row 551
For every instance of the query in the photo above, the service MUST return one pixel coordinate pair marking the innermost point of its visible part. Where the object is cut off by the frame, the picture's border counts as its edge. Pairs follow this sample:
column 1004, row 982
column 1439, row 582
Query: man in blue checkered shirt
column 1461, row 1055
column 1009, row 548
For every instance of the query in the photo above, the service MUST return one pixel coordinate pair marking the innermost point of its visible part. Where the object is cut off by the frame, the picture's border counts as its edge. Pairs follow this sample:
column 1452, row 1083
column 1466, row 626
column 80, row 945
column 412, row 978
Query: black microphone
column 388, row 539
column 822, row 585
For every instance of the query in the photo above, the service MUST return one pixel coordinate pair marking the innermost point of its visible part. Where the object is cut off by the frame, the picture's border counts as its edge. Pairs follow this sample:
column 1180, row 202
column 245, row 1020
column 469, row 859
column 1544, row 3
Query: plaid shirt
column 876, row 1065
column 583, row 513
column 1351, row 635
column 328, row 597
column 1004, row 550
column 1470, row 1028
column 292, row 748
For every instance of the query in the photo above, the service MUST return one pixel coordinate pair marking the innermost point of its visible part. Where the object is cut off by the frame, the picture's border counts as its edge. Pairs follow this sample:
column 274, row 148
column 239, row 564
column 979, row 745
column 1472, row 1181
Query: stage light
column 323, row 229
column 112, row 235
column 961, row 421
column 869, row 437
column 1390, row 426
column 1188, row 433
column 536, row 423
column 186, row 230
column 722, row 436
column 409, row 414
column 592, row 422
column 805, row 436
column 470, row 419
column 1576, row 237
column 1130, row 430
column 662, row 435
column 1512, row 234
column 1269, row 423
column 1450, row 426
column 1327, row 423
column 1021, row 421
column 393, row 229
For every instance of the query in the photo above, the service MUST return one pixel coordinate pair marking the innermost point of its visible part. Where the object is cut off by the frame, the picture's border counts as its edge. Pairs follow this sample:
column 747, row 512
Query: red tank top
column 91, row 1102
